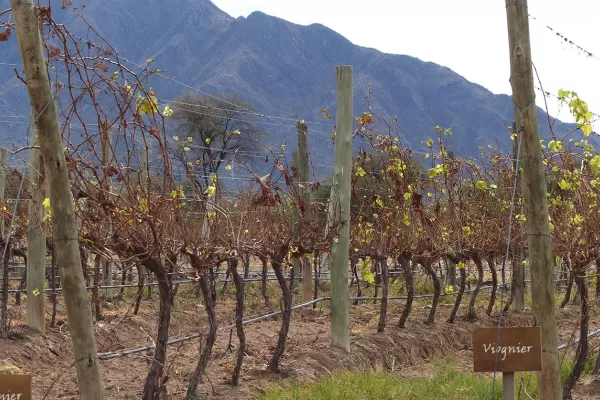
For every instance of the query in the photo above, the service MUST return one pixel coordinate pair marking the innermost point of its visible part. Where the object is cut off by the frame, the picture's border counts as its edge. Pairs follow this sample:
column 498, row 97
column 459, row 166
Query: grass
column 446, row 384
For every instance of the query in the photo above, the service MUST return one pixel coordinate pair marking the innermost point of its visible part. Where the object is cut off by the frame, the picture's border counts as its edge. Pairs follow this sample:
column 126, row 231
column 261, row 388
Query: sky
column 468, row 36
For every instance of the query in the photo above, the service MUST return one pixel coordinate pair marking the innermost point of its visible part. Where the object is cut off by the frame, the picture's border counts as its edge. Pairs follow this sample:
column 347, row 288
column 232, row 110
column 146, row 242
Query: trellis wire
column 510, row 221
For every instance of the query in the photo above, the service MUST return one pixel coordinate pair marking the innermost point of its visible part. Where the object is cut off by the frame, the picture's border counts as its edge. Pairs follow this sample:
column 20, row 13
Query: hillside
column 282, row 69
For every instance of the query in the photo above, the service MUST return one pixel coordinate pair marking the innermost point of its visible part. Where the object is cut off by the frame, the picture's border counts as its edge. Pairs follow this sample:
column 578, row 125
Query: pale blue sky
column 468, row 36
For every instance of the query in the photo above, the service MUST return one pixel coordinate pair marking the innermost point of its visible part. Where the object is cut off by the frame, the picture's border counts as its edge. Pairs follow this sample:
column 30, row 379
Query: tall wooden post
column 296, row 261
column 107, row 159
column 36, row 237
column 518, row 278
column 303, row 173
column 340, row 304
column 534, row 195
column 3, row 158
column 66, row 244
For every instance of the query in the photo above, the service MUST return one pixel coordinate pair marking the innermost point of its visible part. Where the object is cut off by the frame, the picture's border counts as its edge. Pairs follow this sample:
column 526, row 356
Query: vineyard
column 209, row 258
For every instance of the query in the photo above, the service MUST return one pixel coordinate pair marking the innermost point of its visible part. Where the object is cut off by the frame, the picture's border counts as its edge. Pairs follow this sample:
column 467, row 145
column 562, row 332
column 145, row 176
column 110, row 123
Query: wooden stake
column 296, row 261
column 534, row 194
column 508, row 385
column 36, row 237
column 107, row 159
column 340, row 304
column 79, row 313
column 303, row 172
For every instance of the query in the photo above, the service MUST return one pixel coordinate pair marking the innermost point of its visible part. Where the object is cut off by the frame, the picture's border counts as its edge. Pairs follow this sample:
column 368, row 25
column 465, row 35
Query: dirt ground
column 308, row 354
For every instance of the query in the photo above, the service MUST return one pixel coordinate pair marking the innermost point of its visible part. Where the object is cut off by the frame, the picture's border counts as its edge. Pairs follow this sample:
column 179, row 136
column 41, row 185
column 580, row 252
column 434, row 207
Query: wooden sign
column 15, row 387
column 519, row 349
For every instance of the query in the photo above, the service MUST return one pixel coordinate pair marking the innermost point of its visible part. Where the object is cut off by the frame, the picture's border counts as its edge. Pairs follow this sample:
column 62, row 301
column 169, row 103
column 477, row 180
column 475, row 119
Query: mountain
column 281, row 69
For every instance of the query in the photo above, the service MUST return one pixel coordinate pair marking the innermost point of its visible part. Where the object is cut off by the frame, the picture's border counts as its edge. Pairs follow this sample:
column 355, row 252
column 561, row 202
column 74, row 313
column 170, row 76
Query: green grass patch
column 446, row 384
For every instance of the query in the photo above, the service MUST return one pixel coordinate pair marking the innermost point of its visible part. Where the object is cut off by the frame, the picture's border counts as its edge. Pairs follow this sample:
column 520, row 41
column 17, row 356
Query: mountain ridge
column 284, row 69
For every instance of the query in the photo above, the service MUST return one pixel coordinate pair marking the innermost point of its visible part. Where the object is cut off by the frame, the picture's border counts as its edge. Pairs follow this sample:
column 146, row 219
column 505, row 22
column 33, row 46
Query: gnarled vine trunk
column 404, row 261
column 155, row 388
column 277, row 263
column 384, row 293
column 246, row 261
column 239, row 318
column 459, row 296
column 569, row 289
column 354, row 269
column 582, row 347
column 227, row 273
column 96, row 289
column 512, row 286
column 377, row 273
column 123, row 280
column 316, row 260
column 479, row 264
column 492, row 267
column 140, row 294
column 265, row 269
column 23, row 282
column 437, row 290
column 207, row 295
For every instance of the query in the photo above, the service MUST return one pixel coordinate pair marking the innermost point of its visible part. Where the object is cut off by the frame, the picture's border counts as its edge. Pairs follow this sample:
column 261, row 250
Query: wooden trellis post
column 541, row 258
column 66, row 239
column 36, row 237
column 340, row 304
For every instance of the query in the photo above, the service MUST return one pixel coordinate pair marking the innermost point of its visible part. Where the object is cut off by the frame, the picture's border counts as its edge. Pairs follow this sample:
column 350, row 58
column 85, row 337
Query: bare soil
column 308, row 354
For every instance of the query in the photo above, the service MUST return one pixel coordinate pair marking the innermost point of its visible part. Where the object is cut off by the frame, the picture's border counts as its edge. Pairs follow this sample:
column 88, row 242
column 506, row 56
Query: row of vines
column 410, row 207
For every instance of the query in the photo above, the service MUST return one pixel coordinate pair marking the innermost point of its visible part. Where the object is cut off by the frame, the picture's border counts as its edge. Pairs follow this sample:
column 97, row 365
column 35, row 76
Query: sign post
column 507, row 350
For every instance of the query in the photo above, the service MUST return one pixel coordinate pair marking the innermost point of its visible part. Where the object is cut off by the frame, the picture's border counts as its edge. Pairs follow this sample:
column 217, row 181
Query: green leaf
column 563, row 94
column 564, row 185
column 481, row 185
column 167, row 112
column 555, row 146
column 595, row 164
column 360, row 172
column 210, row 191
column 587, row 129
column 365, row 271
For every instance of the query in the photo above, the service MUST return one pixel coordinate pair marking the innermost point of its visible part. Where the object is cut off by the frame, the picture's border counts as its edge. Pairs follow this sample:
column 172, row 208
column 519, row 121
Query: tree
column 212, row 132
